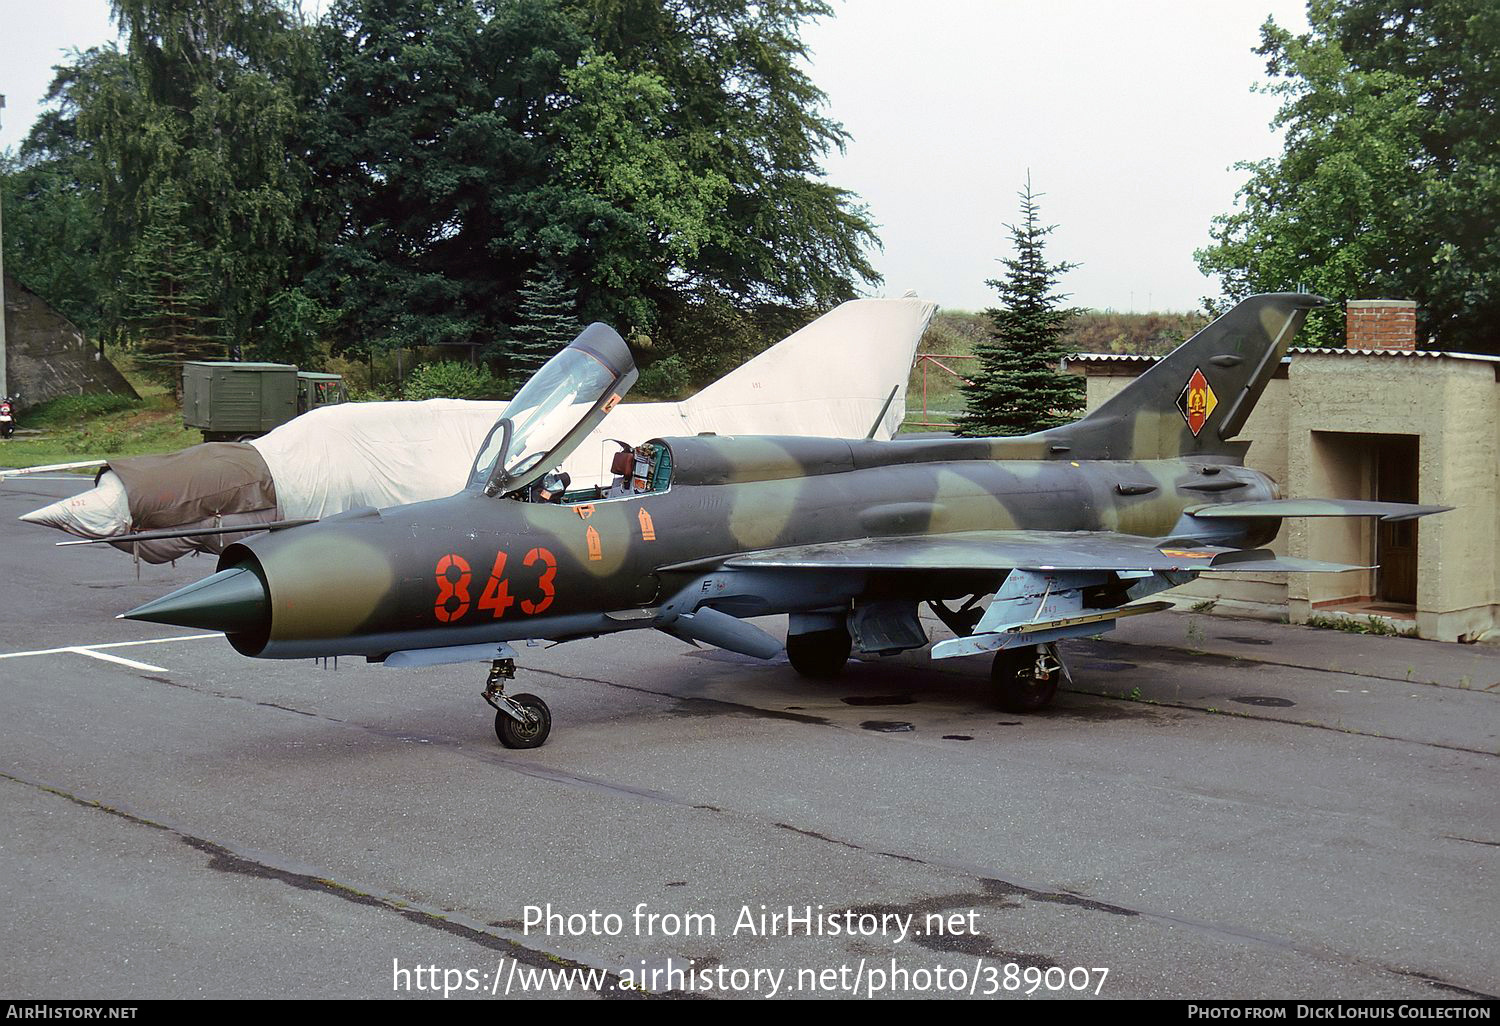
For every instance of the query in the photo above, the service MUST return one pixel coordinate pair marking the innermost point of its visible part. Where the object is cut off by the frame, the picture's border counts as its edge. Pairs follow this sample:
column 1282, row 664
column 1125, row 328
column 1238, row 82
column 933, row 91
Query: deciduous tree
column 50, row 191
column 206, row 102
column 662, row 156
column 1389, row 181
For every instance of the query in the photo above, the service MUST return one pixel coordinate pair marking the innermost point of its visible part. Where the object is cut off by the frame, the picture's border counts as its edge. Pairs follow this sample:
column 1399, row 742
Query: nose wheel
column 521, row 721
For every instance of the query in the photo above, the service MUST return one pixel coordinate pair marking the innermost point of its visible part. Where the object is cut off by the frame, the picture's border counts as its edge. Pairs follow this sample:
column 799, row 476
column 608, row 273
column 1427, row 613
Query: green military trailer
column 232, row 402
column 315, row 389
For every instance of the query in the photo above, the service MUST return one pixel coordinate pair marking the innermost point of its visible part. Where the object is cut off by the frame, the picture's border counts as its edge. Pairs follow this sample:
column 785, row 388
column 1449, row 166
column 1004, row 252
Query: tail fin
column 1197, row 397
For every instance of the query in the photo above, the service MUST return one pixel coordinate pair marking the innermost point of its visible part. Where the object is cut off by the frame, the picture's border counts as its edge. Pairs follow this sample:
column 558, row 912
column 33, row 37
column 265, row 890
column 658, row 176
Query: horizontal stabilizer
column 1279, row 508
column 1247, row 561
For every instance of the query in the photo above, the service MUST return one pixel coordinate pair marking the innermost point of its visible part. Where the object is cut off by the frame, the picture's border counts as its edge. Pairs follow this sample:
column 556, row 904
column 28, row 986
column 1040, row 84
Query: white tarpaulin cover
column 830, row 379
column 374, row 454
column 98, row 513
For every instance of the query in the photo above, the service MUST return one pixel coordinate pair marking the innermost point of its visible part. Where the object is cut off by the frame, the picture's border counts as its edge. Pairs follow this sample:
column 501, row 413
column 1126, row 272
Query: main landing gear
column 819, row 654
column 521, row 721
column 1025, row 679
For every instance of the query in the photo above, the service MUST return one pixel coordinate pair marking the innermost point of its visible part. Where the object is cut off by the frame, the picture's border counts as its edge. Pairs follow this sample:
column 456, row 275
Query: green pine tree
column 546, row 321
column 1020, row 386
column 167, row 292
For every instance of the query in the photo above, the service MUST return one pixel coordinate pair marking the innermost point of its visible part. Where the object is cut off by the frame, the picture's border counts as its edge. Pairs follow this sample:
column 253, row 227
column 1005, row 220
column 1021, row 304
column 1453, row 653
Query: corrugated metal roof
column 1308, row 350
column 1434, row 353
column 1112, row 358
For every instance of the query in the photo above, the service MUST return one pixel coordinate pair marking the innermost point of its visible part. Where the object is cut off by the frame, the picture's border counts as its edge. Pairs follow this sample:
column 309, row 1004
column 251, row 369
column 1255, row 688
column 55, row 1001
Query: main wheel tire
column 1017, row 688
column 819, row 654
column 520, row 735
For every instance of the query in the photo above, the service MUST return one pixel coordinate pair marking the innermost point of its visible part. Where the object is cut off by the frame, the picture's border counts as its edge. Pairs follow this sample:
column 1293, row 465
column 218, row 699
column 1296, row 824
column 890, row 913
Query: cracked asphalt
column 1215, row 808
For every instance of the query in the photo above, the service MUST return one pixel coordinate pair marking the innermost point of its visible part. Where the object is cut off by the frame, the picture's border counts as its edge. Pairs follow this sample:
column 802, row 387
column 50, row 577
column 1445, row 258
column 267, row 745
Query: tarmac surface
column 1215, row 807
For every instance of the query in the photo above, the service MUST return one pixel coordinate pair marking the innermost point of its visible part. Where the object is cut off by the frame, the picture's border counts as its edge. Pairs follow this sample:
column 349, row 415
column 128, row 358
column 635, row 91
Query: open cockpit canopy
column 554, row 411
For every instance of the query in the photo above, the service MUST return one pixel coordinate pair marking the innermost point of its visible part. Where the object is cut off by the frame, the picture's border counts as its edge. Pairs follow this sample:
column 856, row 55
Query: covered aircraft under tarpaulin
column 843, row 375
column 1014, row 543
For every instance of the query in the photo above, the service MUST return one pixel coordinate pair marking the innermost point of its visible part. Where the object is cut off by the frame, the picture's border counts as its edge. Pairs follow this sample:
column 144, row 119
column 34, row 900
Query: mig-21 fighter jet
column 1064, row 532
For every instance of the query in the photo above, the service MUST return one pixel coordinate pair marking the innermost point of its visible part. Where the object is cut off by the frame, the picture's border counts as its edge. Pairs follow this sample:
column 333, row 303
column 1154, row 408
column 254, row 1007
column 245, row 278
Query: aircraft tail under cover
column 832, row 378
column 1198, row 397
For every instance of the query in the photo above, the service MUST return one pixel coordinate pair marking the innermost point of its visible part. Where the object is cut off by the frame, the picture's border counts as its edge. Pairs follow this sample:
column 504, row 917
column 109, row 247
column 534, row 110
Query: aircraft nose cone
column 52, row 515
column 232, row 601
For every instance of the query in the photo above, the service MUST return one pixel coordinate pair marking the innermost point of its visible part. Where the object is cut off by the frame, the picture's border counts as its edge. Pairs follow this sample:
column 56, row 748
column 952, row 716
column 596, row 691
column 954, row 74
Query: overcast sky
column 1128, row 115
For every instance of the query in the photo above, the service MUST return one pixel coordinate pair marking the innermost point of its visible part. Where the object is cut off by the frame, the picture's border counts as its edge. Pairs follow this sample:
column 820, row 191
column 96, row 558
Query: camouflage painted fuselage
column 472, row 569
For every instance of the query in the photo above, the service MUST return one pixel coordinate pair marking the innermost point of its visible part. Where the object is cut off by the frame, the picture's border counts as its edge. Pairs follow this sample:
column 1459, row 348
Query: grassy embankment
column 951, row 337
column 96, row 427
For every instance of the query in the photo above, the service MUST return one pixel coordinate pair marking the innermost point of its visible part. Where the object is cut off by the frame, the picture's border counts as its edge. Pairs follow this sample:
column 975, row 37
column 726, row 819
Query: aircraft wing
column 1023, row 550
column 1043, row 596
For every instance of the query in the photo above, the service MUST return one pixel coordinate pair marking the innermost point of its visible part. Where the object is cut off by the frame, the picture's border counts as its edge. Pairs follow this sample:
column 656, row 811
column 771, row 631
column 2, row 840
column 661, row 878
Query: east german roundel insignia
column 1197, row 401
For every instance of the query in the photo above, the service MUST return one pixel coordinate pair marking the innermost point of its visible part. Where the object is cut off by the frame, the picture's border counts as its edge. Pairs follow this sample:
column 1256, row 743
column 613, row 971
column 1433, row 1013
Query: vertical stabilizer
column 1197, row 397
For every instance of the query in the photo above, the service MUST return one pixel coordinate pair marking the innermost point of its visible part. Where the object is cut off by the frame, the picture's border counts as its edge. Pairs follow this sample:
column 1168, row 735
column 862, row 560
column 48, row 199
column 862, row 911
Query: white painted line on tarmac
column 91, row 649
column 117, row 659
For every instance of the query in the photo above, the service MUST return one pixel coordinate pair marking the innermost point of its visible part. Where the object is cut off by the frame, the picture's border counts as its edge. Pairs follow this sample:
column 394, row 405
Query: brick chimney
column 1380, row 324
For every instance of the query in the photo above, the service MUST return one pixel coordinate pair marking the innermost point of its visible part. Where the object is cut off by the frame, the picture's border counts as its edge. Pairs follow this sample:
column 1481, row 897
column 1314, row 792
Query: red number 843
column 454, row 576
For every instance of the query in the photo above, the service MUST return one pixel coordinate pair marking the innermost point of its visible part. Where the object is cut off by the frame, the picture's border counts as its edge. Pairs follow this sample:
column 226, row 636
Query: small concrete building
column 1381, row 420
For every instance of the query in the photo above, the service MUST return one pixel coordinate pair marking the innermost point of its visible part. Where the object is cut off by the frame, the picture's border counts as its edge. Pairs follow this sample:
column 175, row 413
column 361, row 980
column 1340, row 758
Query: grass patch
column 91, row 427
column 949, row 335
column 73, row 409
column 1368, row 625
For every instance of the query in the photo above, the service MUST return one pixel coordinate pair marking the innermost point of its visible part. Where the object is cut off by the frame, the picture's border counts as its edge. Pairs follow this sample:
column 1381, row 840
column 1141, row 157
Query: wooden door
column 1396, row 543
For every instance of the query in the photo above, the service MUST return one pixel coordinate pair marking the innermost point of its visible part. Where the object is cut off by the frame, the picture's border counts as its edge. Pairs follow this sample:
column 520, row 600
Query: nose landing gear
column 521, row 721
